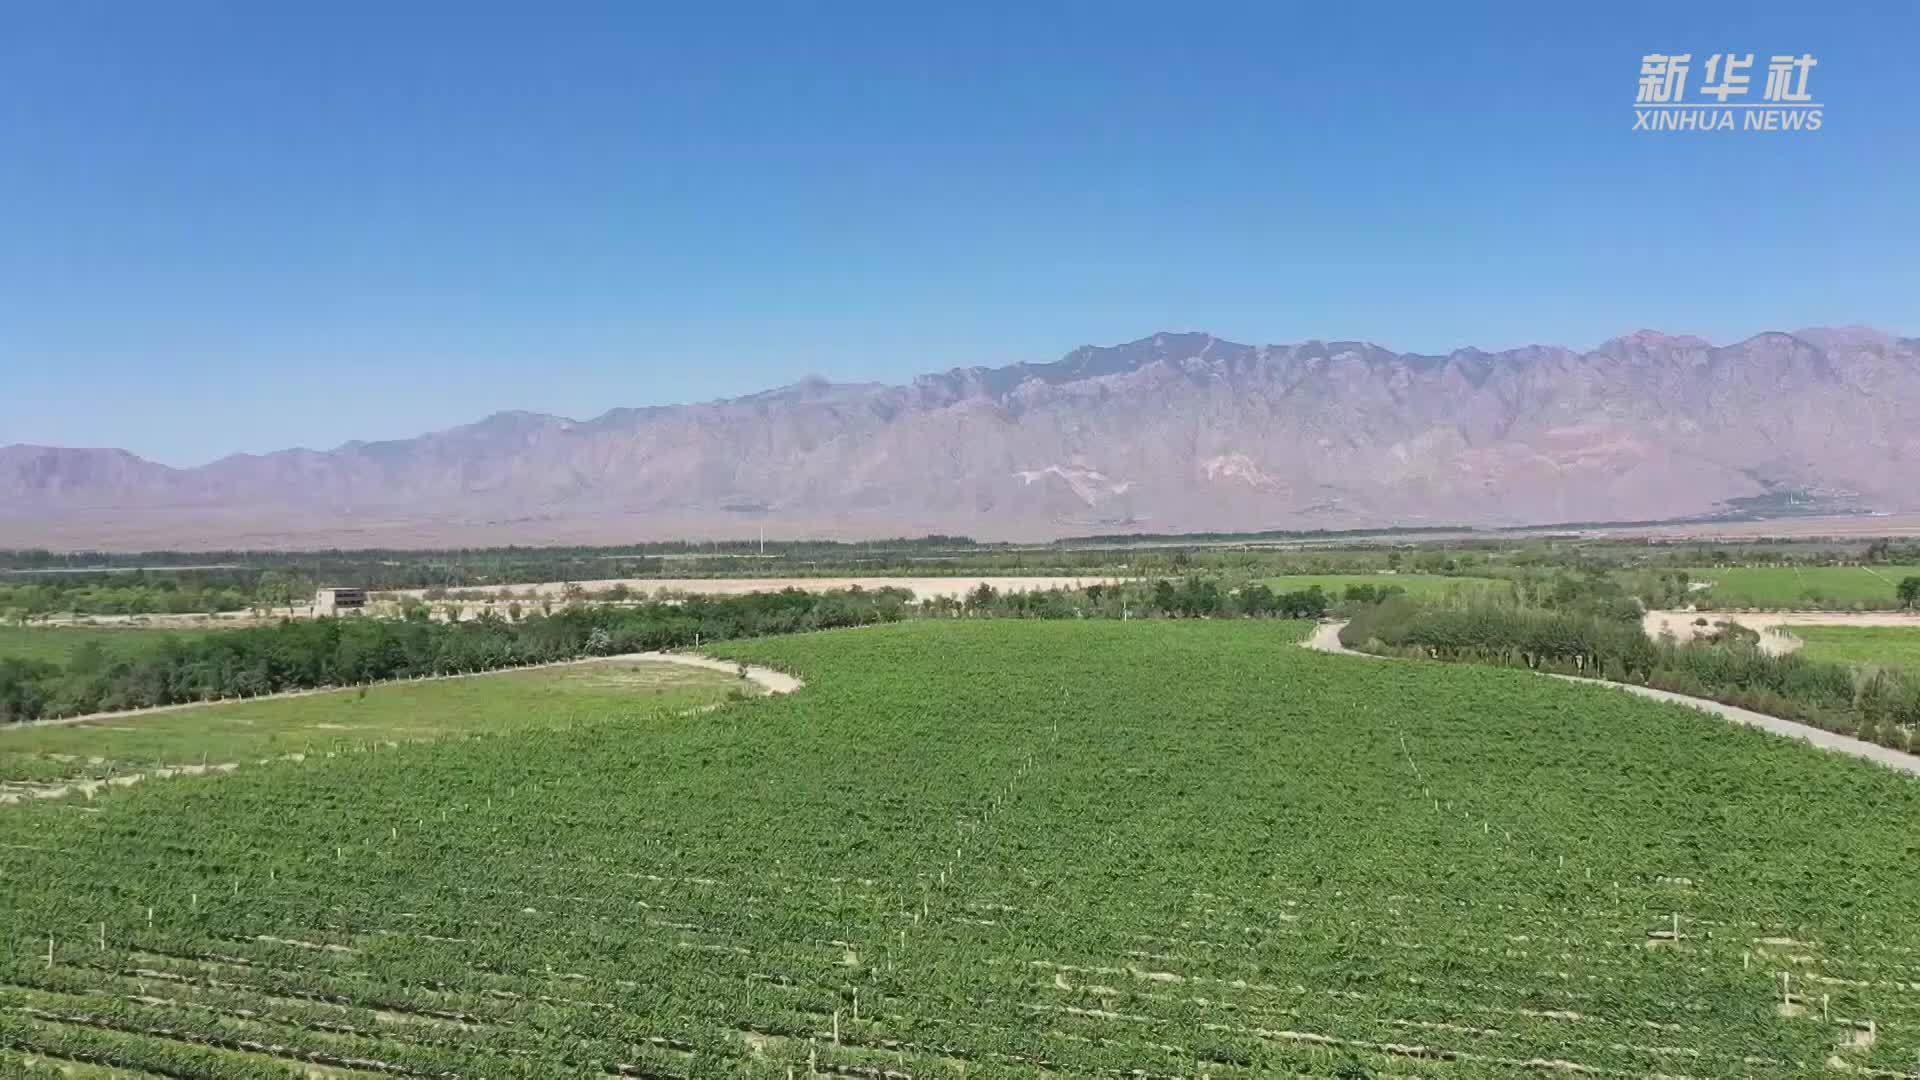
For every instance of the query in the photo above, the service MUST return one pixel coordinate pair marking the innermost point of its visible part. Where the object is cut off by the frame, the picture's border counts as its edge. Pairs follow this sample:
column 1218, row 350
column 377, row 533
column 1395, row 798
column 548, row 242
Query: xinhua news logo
column 1722, row 101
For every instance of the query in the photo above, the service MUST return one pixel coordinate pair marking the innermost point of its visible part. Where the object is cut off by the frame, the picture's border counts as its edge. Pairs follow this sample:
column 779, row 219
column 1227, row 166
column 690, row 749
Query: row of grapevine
column 990, row 848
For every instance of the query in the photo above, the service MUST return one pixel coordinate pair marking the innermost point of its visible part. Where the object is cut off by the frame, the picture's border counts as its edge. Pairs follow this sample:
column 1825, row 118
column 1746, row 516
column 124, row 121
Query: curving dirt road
column 1326, row 638
column 773, row 682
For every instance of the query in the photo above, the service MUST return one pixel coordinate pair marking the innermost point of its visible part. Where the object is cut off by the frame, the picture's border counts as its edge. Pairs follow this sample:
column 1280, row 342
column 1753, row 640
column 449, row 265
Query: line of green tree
column 1725, row 664
column 136, row 594
column 1193, row 597
column 277, row 580
column 296, row 654
column 35, row 584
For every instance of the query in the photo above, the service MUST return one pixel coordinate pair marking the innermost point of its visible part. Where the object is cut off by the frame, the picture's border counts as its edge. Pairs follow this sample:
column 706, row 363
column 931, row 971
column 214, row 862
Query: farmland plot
column 57, row 644
column 225, row 736
column 1896, row 647
column 1842, row 587
column 1157, row 848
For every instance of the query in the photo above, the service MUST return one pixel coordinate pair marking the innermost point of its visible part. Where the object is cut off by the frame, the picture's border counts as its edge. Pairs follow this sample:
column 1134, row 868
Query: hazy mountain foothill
column 1172, row 433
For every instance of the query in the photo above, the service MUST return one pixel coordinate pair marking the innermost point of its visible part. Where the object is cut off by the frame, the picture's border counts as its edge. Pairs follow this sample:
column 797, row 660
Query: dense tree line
column 101, row 583
column 129, row 594
column 1726, row 665
column 260, row 576
column 301, row 653
column 1193, row 597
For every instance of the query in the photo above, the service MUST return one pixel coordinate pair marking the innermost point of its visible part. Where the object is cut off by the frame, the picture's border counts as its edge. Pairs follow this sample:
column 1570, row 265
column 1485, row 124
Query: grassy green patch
column 1418, row 586
column 1162, row 847
column 56, row 644
column 345, row 720
column 1862, row 587
column 1864, row 646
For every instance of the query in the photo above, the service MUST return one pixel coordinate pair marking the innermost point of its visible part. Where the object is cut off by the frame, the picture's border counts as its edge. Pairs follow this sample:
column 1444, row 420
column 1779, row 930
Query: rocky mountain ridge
column 1174, row 432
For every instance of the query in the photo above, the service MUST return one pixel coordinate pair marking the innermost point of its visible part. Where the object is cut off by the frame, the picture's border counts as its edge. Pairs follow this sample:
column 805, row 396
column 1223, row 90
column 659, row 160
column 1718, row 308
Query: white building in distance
column 337, row 601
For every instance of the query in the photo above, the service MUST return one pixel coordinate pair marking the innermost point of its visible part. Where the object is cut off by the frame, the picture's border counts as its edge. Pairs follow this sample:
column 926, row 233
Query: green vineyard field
column 1846, row 587
column 317, row 725
column 995, row 848
column 1864, row 646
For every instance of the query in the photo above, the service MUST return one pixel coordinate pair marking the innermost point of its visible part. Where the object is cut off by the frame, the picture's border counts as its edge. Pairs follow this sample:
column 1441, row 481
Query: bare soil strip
column 1326, row 638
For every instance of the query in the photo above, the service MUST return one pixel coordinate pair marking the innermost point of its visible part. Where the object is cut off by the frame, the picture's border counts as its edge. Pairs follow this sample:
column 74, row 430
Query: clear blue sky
column 250, row 226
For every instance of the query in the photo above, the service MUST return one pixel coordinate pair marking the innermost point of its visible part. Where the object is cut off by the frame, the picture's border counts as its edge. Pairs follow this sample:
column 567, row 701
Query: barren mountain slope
column 1173, row 432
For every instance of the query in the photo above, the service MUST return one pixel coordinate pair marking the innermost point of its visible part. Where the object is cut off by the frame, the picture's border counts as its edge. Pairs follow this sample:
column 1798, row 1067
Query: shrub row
column 300, row 654
column 1881, row 706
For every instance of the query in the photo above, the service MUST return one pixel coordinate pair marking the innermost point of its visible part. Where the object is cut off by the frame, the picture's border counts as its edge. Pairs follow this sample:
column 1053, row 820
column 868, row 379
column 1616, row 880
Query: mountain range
column 1174, row 432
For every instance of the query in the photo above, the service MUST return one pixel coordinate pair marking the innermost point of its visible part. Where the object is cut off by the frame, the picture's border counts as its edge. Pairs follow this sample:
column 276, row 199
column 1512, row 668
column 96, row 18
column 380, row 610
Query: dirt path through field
column 1326, row 638
column 773, row 682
